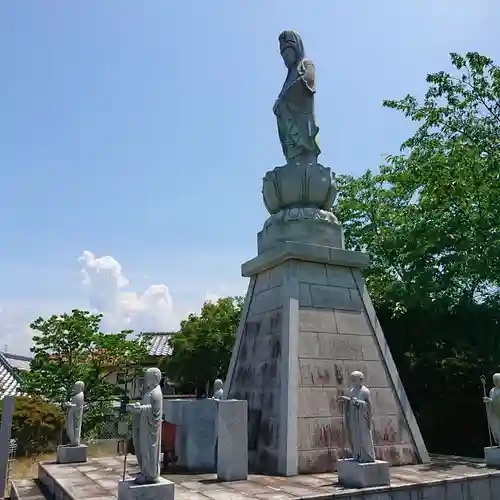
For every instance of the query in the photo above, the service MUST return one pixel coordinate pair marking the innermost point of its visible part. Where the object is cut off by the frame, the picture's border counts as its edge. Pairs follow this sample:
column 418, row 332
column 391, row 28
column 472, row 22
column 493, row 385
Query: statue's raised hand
column 486, row 399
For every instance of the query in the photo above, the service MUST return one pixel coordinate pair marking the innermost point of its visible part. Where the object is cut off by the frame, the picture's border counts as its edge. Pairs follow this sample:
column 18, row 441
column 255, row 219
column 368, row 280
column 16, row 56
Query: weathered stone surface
column 232, row 442
column 308, row 324
column 196, row 435
column 492, row 456
column 72, row 454
column 162, row 490
column 462, row 479
column 354, row 474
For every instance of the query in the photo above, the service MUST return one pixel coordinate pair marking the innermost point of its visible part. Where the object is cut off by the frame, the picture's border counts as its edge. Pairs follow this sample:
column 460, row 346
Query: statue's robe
column 74, row 419
column 493, row 412
column 358, row 421
column 294, row 108
column 146, row 422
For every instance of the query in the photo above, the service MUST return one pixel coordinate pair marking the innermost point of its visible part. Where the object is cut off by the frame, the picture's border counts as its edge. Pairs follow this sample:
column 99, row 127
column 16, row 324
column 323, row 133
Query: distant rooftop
column 9, row 380
column 18, row 361
column 158, row 343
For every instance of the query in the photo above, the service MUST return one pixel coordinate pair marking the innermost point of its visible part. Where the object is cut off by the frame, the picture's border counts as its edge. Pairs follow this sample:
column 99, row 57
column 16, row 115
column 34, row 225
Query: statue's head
column 78, row 387
column 152, row 378
column 218, row 384
column 496, row 380
column 357, row 379
column 291, row 48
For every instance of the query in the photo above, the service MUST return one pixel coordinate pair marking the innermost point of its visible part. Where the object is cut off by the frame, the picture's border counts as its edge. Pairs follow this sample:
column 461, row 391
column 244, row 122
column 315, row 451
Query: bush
column 36, row 425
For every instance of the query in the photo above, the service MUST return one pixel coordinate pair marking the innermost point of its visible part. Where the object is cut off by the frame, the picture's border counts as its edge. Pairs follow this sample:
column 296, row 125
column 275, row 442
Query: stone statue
column 218, row 392
column 358, row 420
column 74, row 416
column 493, row 408
column 294, row 108
column 146, row 428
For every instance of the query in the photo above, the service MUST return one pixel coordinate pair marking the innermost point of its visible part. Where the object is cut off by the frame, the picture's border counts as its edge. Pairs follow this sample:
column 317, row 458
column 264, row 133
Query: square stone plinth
column 354, row 474
column 162, row 490
column 232, row 443
column 492, row 456
column 72, row 454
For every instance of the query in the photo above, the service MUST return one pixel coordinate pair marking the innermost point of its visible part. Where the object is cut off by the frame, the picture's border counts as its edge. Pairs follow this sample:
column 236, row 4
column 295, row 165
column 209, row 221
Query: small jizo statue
column 358, row 419
column 493, row 408
column 218, row 391
column 146, row 428
column 74, row 415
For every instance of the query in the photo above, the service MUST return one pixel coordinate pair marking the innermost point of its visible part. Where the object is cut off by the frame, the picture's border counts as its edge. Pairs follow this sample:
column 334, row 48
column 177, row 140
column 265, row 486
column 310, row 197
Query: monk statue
column 294, row 108
column 146, row 428
column 74, row 416
column 218, row 391
column 358, row 420
column 493, row 408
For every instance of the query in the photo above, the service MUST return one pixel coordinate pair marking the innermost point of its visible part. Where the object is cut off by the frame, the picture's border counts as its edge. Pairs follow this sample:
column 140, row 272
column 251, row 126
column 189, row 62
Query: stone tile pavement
column 98, row 479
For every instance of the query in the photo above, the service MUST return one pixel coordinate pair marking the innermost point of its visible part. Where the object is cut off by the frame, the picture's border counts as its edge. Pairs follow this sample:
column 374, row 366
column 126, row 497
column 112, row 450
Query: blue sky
column 142, row 130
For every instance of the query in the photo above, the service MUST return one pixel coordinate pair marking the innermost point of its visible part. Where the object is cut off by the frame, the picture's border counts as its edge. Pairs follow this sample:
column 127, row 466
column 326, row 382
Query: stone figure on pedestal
column 74, row 415
column 362, row 470
column 146, row 428
column 358, row 419
column 218, row 391
column 294, row 108
column 74, row 451
column 492, row 402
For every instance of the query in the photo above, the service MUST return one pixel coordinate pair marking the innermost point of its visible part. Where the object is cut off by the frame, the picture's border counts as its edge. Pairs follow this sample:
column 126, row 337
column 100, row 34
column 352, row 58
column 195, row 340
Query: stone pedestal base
column 492, row 456
column 68, row 454
column 162, row 490
column 232, row 443
column 353, row 474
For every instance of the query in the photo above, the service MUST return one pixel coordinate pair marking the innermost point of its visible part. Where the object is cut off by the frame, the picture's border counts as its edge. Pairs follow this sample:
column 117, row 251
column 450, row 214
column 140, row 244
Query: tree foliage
column 430, row 220
column 36, row 425
column 71, row 347
column 202, row 347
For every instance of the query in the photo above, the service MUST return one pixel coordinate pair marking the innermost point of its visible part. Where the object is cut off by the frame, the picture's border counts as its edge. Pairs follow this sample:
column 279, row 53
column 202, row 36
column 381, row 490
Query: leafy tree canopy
column 430, row 218
column 202, row 347
column 71, row 347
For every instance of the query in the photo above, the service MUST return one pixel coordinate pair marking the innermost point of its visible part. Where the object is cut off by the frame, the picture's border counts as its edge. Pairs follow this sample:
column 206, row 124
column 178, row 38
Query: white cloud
column 211, row 297
column 107, row 291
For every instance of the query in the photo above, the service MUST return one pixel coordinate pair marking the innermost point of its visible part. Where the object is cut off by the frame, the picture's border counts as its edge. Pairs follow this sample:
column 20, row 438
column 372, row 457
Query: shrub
column 36, row 425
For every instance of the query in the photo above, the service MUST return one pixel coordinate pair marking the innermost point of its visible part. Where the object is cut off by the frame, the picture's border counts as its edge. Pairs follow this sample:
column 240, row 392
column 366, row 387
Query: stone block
column 162, row 490
column 332, row 297
column 492, row 456
column 232, row 440
column 340, row 276
column 312, row 320
column 353, row 474
column 196, row 432
column 72, row 454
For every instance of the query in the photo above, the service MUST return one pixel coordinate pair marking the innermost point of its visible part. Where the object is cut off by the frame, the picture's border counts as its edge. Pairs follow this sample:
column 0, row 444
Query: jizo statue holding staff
column 492, row 402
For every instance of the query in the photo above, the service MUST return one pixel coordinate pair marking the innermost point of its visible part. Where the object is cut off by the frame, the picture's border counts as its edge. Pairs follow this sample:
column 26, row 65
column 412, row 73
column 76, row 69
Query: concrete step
column 25, row 489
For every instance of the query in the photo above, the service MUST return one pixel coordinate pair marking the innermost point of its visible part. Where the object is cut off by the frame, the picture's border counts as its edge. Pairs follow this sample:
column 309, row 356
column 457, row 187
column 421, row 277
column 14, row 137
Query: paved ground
column 99, row 477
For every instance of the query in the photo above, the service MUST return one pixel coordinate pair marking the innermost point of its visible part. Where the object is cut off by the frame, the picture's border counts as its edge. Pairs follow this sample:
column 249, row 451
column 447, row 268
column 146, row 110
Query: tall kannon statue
column 294, row 108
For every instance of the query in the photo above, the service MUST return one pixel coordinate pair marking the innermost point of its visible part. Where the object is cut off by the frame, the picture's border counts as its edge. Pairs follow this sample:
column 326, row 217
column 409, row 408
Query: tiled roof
column 18, row 361
column 159, row 345
column 9, row 381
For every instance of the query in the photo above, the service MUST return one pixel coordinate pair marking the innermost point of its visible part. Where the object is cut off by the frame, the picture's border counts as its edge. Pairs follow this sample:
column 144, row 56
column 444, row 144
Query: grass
column 27, row 467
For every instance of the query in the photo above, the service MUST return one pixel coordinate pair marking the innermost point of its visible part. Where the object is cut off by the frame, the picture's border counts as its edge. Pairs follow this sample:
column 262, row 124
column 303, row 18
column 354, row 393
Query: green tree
column 431, row 217
column 71, row 347
column 202, row 348
column 430, row 220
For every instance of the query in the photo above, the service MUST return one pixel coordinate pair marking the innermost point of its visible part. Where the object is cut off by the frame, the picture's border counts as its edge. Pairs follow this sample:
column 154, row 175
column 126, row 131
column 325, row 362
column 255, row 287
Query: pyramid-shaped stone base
column 307, row 323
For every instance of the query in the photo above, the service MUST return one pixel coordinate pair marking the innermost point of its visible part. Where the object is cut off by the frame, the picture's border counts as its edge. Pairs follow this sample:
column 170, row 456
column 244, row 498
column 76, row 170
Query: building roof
column 158, row 343
column 18, row 361
column 9, row 380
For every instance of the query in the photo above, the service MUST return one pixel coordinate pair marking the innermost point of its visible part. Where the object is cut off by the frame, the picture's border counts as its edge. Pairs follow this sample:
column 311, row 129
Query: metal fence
column 11, row 460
